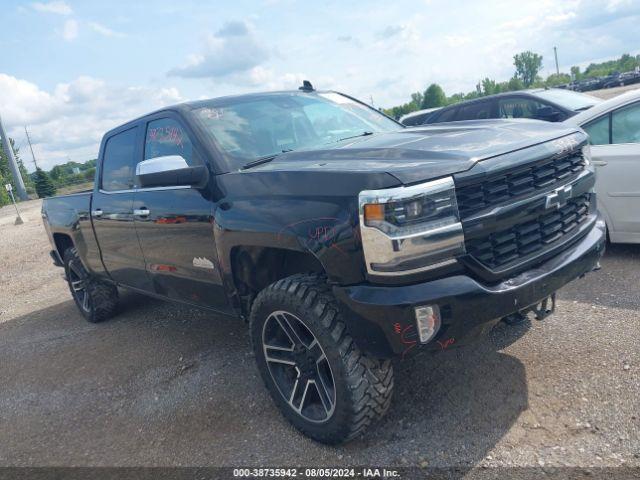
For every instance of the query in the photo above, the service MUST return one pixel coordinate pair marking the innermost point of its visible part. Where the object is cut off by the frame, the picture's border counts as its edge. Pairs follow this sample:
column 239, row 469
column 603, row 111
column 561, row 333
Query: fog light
column 427, row 321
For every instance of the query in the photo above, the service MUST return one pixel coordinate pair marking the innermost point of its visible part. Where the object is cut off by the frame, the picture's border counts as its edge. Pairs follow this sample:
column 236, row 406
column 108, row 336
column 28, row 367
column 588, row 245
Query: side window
column 167, row 137
column 598, row 131
column 518, row 107
column 474, row 111
column 625, row 125
column 118, row 160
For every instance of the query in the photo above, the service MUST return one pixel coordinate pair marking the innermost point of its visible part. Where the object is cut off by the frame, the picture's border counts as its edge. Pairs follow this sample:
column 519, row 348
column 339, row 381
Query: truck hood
column 422, row 153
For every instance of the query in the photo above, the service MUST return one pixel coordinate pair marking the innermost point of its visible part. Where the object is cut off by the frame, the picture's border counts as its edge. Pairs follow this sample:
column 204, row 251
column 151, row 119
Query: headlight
column 410, row 229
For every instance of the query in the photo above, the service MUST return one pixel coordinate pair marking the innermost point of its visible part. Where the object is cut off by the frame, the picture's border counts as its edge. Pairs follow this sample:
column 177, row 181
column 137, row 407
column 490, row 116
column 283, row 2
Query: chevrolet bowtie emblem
column 559, row 197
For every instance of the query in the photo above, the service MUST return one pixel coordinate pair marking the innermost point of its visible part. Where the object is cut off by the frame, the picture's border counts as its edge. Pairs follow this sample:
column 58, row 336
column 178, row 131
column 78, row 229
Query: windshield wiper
column 363, row 134
column 265, row 159
column 582, row 109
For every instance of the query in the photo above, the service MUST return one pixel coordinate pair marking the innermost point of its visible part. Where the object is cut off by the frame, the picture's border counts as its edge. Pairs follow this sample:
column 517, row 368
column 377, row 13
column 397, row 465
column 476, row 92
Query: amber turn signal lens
column 373, row 212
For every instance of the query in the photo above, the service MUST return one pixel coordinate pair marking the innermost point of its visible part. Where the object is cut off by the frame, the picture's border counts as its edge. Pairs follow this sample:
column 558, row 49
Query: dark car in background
column 418, row 117
column 621, row 79
column 551, row 105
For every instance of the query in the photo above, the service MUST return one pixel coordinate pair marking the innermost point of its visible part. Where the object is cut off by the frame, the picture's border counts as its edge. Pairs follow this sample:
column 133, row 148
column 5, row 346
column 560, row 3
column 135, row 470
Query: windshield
column 568, row 99
column 250, row 128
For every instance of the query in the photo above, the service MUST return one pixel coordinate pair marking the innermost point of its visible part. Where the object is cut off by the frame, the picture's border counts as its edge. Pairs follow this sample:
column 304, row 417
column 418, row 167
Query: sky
column 71, row 70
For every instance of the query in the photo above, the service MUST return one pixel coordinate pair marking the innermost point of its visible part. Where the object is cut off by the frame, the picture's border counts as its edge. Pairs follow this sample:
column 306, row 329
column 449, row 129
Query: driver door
column 175, row 223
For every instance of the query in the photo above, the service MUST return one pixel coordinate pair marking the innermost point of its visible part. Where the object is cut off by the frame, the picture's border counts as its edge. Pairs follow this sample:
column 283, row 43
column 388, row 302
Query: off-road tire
column 363, row 385
column 102, row 297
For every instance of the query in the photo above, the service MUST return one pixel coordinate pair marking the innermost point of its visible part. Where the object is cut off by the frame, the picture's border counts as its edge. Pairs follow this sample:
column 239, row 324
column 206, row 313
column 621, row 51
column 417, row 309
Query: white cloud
column 457, row 40
column 614, row 5
column 390, row 31
column 70, row 30
column 71, row 119
column 104, row 31
column 231, row 50
column 57, row 7
column 561, row 17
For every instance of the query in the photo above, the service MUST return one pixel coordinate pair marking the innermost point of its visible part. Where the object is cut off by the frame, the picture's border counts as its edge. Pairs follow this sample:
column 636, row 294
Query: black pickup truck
column 342, row 237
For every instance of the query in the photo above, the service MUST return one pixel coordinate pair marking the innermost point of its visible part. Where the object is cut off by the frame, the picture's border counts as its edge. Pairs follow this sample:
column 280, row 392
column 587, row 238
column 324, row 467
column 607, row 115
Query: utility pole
column 30, row 147
column 555, row 54
column 19, row 220
column 15, row 171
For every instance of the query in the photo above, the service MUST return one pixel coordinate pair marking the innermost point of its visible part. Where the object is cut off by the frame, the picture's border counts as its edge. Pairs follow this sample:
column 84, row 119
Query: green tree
column 44, row 185
column 90, row 174
column 395, row 112
column 527, row 64
column 515, row 84
column 416, row 99
column 557, row 79
column 489, row 87
column 57, row 173
column 5, row 170
column 455, row 98
column 434, row 97
column 575, row 73
column 4, row 196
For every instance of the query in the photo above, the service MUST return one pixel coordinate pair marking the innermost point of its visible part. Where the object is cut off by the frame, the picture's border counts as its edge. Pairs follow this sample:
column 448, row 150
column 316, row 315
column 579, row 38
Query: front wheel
column 96, row 300
column 319, row 379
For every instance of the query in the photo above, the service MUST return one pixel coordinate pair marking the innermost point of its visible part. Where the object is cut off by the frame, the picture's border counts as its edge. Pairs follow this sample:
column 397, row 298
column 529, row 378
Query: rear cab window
column 118, row 161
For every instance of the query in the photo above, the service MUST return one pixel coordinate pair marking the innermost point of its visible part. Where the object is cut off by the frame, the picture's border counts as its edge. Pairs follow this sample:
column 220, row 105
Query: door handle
column 599, row 163
column 141, row 212
column 96, row 213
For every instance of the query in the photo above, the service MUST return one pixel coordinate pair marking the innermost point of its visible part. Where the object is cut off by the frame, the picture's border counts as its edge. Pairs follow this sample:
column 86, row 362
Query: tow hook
column 595, row 268
column 540, row 310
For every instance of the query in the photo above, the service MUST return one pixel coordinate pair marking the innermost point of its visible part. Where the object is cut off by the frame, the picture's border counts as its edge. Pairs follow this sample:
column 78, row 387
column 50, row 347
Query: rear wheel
column 96, row 300
column 319, row 379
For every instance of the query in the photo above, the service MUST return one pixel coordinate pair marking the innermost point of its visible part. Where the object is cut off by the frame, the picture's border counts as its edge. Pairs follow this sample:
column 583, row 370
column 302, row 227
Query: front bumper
column 382, row 322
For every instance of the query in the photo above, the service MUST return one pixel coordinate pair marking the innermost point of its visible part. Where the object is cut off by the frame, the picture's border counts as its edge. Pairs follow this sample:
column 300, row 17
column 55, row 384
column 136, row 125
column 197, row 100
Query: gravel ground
column 167, row 385
column 608, row 93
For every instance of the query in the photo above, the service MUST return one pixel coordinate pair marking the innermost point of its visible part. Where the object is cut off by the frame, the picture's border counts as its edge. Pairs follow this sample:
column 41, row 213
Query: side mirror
column 169, row 171
column 548, row 114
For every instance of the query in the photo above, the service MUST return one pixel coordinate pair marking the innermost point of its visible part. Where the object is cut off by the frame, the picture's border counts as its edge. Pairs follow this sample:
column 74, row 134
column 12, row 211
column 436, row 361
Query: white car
column 614, row 130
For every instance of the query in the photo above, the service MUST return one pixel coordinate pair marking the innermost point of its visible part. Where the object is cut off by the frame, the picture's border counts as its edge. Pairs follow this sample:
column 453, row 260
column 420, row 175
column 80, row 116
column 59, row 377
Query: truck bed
column 68, row 217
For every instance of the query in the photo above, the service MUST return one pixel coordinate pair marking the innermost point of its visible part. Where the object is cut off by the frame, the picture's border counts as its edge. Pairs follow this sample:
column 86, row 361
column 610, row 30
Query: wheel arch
column 62, row 242
column 253, row 268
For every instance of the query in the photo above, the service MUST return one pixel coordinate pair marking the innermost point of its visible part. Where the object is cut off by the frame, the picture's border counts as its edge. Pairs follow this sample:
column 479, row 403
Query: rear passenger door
column 175, row 223
column 112, row 209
